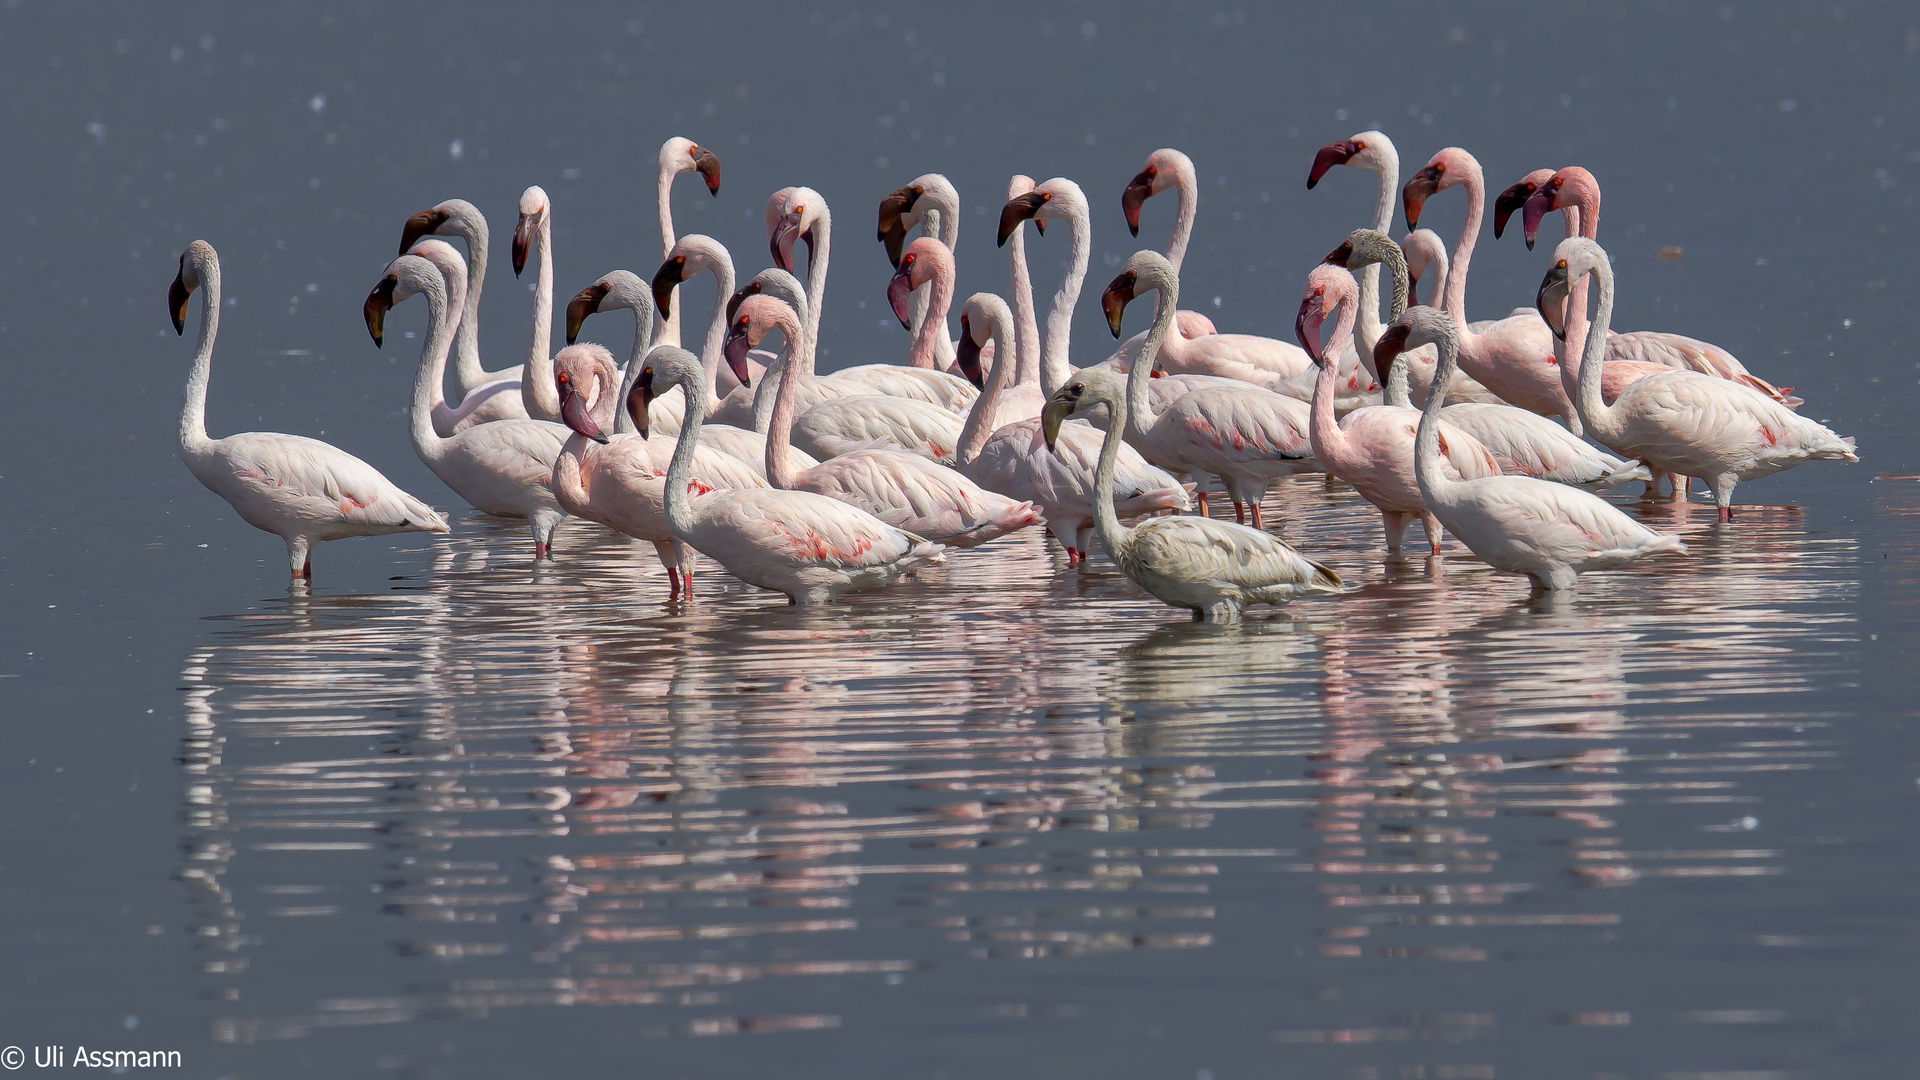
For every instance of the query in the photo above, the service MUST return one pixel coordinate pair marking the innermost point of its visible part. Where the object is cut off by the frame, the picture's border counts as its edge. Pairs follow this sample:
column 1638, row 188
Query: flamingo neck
column 1396, row 380
column 942, row 223
column 680, row 516
column 1186, row 191
column 1026, row 329
column 926, row 352
column 467, row 371
column 1604, row 422
column 537, row 390
column 1113, row 535
column 1435, row 485
column 978, row 429
column 1370, row 327
column 818, row 248
column 1323, row 429
column 667, row 330
column 1456, row 290
column 433, row 368
column 1583, row 219
column 193, row 414
column 643, row 319
column 1054, row 367
column 710, row 357
column 569, row 487
column 779, row 429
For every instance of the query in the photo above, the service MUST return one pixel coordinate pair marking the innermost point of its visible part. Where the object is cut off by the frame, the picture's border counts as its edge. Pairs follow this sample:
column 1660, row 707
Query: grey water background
column 454, row 815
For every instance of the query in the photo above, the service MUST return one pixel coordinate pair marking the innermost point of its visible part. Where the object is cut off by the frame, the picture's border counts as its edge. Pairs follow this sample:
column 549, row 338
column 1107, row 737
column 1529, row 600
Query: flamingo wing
column 520, row 450
column 803, row 529
column 1204, row 550
column 307, row 479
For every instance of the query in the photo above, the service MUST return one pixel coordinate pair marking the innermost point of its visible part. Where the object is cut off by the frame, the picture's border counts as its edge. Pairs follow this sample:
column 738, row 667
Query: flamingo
column 1683, row 422
column 807, row 546
column 1552, row 533
column 620, row 480
column 534, row 233
column 484, row 395
column 613, row 291
column 679, row 155
column 1576, row 194
column 1025, row 396
column 1520, row 442
column 1212, row 568
column 301, row 490
column 497, row 400
column 931, row 202
column 1016, row 461
column 1373, row 448
column 1512, row 357
column 904, row 490
column 503, row 468
column 1164, row 169
column 927, row 264
column 747, row 406
column 686, row 258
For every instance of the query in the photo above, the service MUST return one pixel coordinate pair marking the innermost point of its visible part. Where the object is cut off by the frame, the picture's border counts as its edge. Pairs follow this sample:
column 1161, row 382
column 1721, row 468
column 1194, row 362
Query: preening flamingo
column 1373, row 448
column 1550, row 532
column 503, row 468
column 807, row 546
column 1016, row 461
column 483, row 395
column 620, row 480
column 678, row 155
column 1683, row 422
column 301, row 490
column 907, row 491
column 1212, row 568
column 1513, row 357
column 1521, row 442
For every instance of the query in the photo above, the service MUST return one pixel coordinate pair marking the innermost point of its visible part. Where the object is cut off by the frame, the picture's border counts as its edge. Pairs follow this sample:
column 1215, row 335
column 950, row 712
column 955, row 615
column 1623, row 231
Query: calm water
column 456, row 815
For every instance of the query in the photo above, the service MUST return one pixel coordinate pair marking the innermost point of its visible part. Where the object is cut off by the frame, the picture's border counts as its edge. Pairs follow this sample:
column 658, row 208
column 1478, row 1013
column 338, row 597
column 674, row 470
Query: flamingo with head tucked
column 301, row 490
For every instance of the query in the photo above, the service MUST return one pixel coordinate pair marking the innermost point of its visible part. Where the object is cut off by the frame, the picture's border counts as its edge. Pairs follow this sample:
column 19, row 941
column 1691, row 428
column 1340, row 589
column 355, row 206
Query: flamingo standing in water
column 503, row 468
column 620, row 480
column 1373, row 448
column 1521, row 442
column 301, row 490
column 1552, row 533
column 484, row 395
column 678, row 155
column 807, row 546
column 1514, row 356
column 907, row 491
column 1683, row 422
column 1016, row 459
column 1212, row 568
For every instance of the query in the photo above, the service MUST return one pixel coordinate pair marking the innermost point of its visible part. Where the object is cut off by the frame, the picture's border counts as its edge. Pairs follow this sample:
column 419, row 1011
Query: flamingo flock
column 813, row 484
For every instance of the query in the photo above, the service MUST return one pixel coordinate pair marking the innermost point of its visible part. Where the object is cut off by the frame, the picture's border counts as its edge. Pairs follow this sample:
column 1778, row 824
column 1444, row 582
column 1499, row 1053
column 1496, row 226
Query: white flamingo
column 688, row 257
column 533, row 235
column 1683, row 422
column 503, row 468
column 931, row 202
column 1521, row 442
column 1373, row 448
column 907, row 491
column 495, row 395
column 1552, row 533
column 1015, row 460
column 620, row 480
column 807, row 546
column 497, row 400
column 677, row 156
column 301, row 490
column 1212, row 568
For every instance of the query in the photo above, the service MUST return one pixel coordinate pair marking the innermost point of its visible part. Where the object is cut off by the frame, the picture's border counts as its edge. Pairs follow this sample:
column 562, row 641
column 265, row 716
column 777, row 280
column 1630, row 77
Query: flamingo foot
column 673, row 583
column 306, row 572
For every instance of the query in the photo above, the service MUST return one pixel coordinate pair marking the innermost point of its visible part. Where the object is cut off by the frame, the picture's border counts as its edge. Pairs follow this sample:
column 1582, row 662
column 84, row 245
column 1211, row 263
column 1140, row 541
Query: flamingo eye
column 1046, row 196
column 680, row 259
column 1561, row 265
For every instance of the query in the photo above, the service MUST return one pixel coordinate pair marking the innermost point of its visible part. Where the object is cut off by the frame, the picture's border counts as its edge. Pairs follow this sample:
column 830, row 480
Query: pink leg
column 1258, row 525
column 541, row 550
column 1201, row 495
column 1433, row 531
column 1240, row 512
column 1726, row 515
column 1395, row 524
column 673, row 583
column 1680, row 485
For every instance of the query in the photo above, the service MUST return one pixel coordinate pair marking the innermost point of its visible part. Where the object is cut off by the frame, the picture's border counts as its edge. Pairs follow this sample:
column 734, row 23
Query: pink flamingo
column 1683, row 422
column 1512, row 357
column 484, row 396
column 677, row 156
column 620, row 480
column 1373, row 448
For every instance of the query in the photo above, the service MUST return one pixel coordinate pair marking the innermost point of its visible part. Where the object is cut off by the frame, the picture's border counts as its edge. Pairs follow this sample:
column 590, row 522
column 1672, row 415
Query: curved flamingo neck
column 537, row 390
column 1398, row 393
column 193, row 414
column 467, row 371
column 680, row 516
column 1054, row 366
column 974, row 436
column 1105, row 520
column 1604, row 422
column 940, row 220
column 1388, row 173
column 818, row 250
column 779, row 464
column 1582, row 219
column 1026, row 328
column 1435, row 485
column 925, row 352
column 1456, row 293
column 643, row 318
column 716, row 323
column 1186, row 190
column 1329, row 441
column 433, row 362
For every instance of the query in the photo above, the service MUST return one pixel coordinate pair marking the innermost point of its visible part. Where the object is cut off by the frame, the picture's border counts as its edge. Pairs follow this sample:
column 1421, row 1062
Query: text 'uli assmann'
column 80, row 1057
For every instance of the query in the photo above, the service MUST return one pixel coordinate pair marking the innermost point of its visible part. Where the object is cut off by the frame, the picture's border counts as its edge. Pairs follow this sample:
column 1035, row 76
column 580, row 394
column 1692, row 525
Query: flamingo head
column 804, row 212
column 1551, row 300
column 684, row 155
column 1146, row 272
column 917, row 266
column 1088, row 387
column 1328, row 287
column 1162, row 171
column 896, row 217
column 198, row 253
column 1448, row 168
column 1367, row 150
column 1515, row 197
column 534, row 206
column 967, row 355
column 1057, row 199
column 584, row 374
column 757, row 316
column 1362, row 247
column 424, row 223
column 617, row 289
column 1566, row 190
column 690, row 255
column 666, row 367
column 1419, row 326
column 405, row 276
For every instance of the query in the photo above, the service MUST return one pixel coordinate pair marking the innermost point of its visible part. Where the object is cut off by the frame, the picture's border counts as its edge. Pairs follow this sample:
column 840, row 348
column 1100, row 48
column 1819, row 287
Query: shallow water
column 453, row 814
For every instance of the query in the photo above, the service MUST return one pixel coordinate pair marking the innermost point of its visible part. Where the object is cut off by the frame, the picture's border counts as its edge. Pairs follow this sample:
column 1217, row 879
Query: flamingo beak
column 900, row 289
column 1551, row 300
column 1391, row 344
column 967, row 356
column 1138, row 191
column 1114, row 301
column 1538, row 205
column 781, row 245
column 1052, row 416
column 1339, row 256
column 1415, row 194
column 1332, row 154
column 1507, row 202
column 708, row 167
column 586, row 302
column 893, row 225
column 1018, row 209
column 379, row 302
column 421, row 224
column 735, row 351
column 522, row 236
column 665, row 280
column 639, row 398
column 573, row 413
column 1306, row 325
column 177, row 295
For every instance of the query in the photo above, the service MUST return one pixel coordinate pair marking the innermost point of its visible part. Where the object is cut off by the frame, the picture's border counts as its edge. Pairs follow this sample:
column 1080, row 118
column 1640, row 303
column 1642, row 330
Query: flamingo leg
column 1680, row 486
column 1395, row 524
column 1432, row 525
column 1200, row 496
column 297, row 558
column 1240, row 513
column 1259, row 526
column 673, row 583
